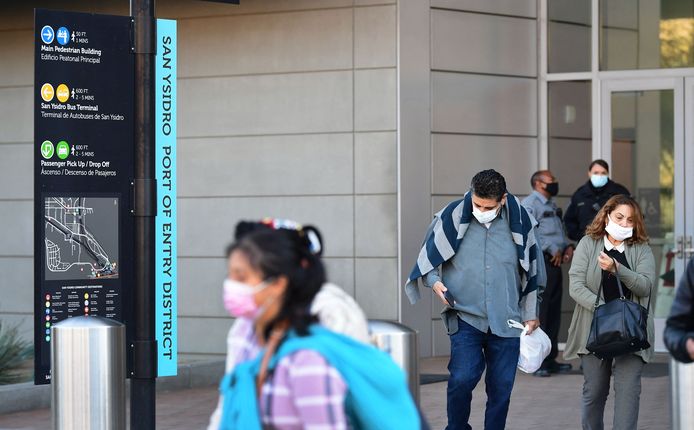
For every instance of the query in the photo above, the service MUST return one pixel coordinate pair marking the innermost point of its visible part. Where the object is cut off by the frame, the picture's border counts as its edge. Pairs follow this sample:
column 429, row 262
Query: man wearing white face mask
column 481, row 259
column 589, row 198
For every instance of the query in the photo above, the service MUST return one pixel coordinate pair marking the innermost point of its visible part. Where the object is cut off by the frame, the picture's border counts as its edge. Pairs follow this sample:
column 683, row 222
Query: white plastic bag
column 533, row 347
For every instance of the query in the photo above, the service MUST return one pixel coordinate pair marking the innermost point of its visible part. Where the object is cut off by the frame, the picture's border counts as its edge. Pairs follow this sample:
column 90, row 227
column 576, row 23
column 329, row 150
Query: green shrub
column 14, row 352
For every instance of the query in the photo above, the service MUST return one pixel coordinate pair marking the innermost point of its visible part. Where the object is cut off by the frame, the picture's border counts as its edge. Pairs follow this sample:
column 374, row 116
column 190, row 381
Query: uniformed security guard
column 556, row 250
column 589, row 198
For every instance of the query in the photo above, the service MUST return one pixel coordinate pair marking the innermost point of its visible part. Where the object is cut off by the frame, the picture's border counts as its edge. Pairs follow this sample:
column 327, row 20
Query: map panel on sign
column 81, row 238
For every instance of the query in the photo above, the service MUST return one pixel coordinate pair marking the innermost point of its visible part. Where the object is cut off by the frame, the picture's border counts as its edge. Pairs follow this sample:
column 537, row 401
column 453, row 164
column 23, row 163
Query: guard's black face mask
column 552, row 188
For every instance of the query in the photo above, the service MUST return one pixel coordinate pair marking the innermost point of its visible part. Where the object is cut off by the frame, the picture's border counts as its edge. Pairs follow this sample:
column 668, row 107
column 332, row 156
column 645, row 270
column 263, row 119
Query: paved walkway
column 537, row 403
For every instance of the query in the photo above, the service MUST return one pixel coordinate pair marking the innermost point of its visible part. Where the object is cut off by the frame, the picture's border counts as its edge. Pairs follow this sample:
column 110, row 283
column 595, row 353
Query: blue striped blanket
column 446, row 233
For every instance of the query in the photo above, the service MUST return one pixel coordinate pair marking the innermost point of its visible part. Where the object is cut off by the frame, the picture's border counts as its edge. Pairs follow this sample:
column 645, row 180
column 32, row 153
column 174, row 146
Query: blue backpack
column 377, row 396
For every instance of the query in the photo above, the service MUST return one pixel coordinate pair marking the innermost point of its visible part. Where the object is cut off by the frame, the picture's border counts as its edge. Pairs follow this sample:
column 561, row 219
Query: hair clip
column 314, row 242
column 284, row 224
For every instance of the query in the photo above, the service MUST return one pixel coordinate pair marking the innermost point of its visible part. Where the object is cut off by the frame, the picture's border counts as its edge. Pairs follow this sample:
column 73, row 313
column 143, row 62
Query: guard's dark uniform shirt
column 585, row 204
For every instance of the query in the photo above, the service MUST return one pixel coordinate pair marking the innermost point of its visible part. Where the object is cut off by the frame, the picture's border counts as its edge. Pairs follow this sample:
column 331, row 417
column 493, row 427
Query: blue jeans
column 471, row 351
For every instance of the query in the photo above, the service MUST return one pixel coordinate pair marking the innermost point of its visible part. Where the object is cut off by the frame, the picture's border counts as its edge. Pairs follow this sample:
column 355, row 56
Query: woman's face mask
column 617, row 231
column 239, row 298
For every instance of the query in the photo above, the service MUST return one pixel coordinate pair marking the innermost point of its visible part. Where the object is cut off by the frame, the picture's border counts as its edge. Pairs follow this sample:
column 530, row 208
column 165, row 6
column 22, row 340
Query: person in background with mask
column 480, row 258
column 334, row 308
column 556, row 250
column 615, row 245
column 589, row 198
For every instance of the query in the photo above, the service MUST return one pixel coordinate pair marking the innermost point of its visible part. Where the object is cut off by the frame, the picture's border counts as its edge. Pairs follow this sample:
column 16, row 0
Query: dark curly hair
column 488, row 184
column 596, row 229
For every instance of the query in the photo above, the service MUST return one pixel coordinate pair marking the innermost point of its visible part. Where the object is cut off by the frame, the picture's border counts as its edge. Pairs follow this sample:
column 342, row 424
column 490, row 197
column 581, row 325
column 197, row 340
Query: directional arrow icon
column 47, row 92
column 47, row 149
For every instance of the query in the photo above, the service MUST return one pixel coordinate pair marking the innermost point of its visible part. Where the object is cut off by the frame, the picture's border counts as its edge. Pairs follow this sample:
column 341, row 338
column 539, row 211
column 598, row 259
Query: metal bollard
column 682, row 395
column 400, row 342
column 88, row 374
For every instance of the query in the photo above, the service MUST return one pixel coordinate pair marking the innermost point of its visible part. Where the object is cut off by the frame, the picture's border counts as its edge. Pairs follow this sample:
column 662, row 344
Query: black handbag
column 619, row 327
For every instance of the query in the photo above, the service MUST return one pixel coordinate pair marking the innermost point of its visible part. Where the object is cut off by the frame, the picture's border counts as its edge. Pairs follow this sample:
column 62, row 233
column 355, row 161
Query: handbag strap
column 619, row 285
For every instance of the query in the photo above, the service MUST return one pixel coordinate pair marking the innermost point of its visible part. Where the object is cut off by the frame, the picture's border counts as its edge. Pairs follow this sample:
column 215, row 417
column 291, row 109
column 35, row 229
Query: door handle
column 684, row 247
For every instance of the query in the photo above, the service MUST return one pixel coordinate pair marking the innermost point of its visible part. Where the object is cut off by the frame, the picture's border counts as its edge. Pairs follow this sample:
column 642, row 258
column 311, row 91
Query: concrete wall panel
column 17, row 52
column 374, row 44
column 16, row 166
column 374, row 99
column 440, row 201
column 340, row 272
column 464, row 41
column 18, row 280
column 203, row 335
column 376, row 228
column 526, row 8
column 207, row 225
column 272, row 43
column 17, row 219
column 266, row 165
column 192, row 8
column 372, row 2
column 375, row 156
column 268, row 104
column 478, row 104
column 458, row 158
column 16, row 111
column 376, row 287
column 200, row 286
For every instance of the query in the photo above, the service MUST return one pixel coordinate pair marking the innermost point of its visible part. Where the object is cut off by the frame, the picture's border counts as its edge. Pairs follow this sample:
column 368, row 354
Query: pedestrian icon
column 47, row 92
column 63, row 36
column 47, row 149
column 63, row 149
column 47, row 34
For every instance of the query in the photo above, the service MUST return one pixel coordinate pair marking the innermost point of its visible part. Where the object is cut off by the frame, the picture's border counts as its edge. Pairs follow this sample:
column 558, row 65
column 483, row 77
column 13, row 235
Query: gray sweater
column 585, row 276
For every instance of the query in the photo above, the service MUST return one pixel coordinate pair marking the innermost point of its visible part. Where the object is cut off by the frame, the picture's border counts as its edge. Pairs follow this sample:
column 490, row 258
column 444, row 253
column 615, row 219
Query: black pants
column 550, row 307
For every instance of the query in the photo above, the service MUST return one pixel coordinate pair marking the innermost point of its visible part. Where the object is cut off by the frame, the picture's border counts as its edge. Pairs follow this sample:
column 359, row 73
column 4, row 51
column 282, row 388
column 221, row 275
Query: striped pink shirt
column 303, row 391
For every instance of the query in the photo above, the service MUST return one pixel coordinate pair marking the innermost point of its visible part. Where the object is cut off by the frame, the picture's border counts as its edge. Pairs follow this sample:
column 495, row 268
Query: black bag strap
column 621, row 290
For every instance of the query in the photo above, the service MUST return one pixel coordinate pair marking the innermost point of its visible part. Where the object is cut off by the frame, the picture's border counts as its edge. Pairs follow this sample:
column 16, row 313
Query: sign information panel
column 166, row 253
column 83, row 164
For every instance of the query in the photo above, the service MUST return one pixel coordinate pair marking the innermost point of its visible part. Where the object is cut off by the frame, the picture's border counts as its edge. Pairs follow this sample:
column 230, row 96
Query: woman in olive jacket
column 615, row 244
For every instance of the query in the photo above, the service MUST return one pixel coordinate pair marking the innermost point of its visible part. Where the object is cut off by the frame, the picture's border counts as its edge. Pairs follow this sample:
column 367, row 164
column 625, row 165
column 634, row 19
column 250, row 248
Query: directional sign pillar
column 143, row 346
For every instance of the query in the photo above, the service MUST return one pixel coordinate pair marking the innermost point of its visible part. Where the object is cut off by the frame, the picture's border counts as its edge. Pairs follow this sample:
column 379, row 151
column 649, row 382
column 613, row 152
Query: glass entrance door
column 643, row 139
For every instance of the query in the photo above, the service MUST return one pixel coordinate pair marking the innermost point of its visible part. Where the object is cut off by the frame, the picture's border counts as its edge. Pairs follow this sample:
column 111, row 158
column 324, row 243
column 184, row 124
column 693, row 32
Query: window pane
column 646, row 34
column 568, row 36
column 643, row 161
column 569, row 133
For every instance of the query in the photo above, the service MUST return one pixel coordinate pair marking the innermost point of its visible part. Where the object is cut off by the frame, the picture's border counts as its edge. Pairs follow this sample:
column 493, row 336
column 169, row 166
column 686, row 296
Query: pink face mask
column 238, row 298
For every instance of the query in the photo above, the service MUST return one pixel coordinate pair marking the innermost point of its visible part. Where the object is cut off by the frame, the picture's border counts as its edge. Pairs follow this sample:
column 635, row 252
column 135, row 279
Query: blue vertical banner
column 166, row 251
